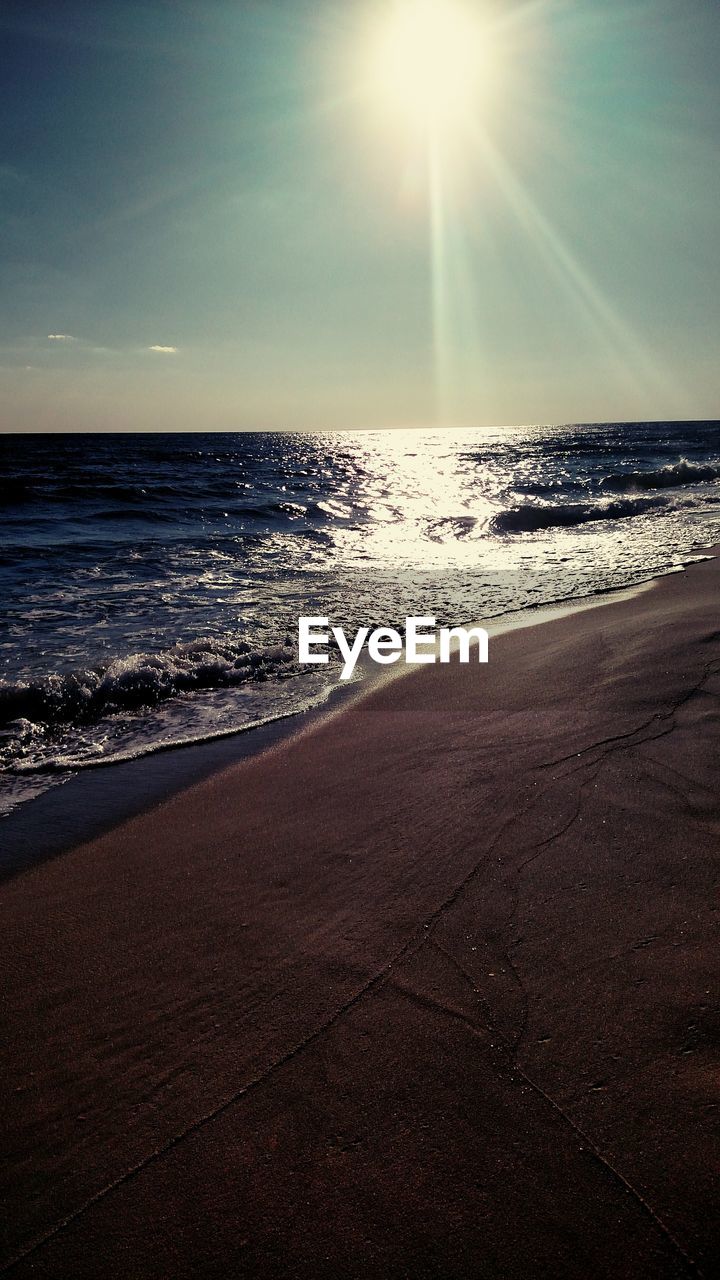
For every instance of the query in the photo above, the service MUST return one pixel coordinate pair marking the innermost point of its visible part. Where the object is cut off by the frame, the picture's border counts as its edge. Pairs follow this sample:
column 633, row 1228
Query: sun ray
column 438, row 281
column 633, row 357
column 444, row 79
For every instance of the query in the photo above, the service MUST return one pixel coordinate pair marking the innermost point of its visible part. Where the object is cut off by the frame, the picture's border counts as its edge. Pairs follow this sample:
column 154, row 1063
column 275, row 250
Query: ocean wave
column 669, row 477
column 142, row 680
column 529, row 517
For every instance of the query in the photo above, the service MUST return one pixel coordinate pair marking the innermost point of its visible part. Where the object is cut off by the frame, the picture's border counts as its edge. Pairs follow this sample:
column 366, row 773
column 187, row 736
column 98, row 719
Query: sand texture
column 428, row 991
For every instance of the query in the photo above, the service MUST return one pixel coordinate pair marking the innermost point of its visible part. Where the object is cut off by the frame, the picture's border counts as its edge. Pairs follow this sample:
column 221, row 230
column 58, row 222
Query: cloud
column 157, row 347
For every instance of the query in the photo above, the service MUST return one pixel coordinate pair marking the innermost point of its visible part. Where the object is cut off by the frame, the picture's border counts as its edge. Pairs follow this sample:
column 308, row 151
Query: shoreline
column 81, row 807
column 424, row 989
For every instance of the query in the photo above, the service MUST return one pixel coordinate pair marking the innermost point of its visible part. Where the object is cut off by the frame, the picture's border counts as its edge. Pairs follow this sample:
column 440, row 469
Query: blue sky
column 222, row 228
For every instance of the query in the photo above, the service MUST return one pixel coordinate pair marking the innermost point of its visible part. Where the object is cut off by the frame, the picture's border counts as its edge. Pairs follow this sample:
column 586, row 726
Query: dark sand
column 428, row 991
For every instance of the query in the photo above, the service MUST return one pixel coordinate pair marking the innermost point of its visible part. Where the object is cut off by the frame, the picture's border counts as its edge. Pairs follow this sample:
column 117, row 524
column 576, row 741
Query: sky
column 215, row 216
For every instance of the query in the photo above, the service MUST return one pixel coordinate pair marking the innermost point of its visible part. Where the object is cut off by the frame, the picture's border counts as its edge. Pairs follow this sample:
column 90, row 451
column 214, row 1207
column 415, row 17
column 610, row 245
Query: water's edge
column 95, row 800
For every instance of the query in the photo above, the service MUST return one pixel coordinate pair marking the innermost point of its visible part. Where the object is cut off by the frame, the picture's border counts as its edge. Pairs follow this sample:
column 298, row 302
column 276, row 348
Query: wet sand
column 429, row 990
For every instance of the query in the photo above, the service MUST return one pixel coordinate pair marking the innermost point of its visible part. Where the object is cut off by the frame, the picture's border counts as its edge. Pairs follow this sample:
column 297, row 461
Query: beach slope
column 429, row 990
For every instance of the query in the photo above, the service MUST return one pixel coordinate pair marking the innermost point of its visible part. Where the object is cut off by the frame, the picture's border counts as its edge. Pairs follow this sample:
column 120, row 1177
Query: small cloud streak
column 164, row 351
column 61, row 337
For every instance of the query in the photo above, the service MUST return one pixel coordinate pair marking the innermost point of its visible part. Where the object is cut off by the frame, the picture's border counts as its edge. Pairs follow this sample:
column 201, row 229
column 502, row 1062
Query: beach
column 427, row 990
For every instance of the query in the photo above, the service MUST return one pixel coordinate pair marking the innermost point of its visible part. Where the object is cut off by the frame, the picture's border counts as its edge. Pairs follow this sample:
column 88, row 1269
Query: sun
column 429, row 63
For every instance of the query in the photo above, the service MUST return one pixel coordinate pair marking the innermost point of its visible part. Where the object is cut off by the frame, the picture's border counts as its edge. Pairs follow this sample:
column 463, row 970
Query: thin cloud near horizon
column 157, row 347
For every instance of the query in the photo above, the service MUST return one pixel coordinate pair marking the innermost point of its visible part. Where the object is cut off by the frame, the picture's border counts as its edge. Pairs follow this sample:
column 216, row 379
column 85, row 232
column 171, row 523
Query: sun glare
column 430, row 62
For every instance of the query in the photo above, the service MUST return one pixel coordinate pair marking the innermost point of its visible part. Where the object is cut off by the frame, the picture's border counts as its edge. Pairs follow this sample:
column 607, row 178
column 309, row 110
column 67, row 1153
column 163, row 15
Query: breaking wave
column 529, row 517
column 142, row 680
column 669, row 477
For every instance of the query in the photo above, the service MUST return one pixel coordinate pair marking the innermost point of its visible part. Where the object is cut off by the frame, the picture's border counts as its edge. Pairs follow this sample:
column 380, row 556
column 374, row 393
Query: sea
column 151, row 584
